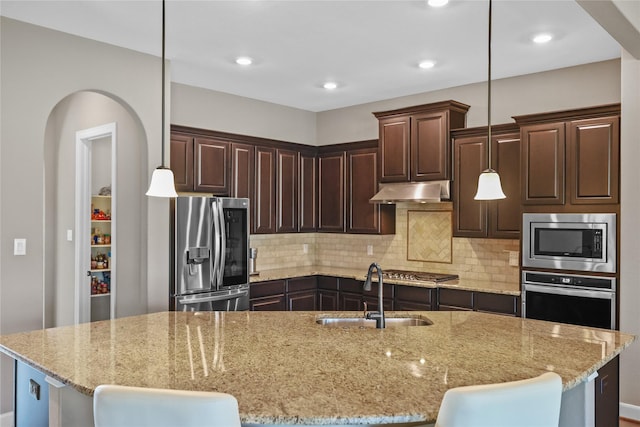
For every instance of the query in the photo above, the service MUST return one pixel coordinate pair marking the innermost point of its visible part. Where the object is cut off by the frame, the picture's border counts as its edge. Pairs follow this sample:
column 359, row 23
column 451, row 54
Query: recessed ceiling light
column 425, row 65
column 542, row 38
column 437, row 3
column 330, row 85
column 244, row 60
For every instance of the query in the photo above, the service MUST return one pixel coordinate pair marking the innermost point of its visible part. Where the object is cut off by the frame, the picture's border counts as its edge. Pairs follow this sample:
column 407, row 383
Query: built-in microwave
column 583, row 242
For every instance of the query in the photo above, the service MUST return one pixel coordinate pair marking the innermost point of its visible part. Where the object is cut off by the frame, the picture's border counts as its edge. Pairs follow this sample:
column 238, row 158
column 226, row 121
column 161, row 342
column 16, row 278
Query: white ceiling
column 370, row 48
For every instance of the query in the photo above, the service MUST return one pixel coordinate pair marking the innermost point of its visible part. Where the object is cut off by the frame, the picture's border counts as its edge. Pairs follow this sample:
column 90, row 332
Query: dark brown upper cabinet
column 362, row 185
column 571, row 157
column 308, row 193
column 242, row 170
column 211, row 161
column 543, row 164
column 264, row 207
column 181, row 152
column 331, row 196
column 594, row 160
column 287, row 191
column 494, row 219
column 415, row 143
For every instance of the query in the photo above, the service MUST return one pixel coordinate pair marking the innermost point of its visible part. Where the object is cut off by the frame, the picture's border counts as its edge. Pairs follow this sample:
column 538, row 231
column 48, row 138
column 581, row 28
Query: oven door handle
column 568, row 292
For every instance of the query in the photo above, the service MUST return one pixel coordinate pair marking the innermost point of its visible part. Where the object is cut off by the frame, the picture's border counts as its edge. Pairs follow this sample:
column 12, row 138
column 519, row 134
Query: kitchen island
column 285, row 368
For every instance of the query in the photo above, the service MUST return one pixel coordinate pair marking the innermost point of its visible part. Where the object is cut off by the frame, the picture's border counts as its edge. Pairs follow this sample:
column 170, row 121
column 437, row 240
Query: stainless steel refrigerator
column 210, row 254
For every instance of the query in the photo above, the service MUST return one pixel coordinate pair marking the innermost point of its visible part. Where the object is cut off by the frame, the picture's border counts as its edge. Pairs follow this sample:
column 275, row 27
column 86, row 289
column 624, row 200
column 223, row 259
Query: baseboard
column 6, row 419
column 630, row 412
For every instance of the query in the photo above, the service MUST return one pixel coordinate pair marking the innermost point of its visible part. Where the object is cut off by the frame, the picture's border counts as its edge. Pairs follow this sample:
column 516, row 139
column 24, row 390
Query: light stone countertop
column 284, row 368
column 361, row 274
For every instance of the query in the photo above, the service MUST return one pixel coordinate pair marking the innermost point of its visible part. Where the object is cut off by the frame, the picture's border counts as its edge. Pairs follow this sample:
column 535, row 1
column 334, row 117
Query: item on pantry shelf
column 105, row 191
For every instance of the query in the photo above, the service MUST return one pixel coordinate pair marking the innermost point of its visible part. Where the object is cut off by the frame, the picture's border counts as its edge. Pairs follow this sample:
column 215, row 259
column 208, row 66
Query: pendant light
column 489, row 186
column 162, row 183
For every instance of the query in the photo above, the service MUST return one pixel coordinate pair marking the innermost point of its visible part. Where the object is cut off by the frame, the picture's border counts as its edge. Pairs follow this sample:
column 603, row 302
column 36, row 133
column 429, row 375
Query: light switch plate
column 19, row 246
column 305, row 248
column 514, row 257
column 69, row 235
column 369, row 250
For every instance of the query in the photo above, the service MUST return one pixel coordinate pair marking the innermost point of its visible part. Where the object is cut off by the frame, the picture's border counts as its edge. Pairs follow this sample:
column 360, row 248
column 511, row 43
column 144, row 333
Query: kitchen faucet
column 379, row 315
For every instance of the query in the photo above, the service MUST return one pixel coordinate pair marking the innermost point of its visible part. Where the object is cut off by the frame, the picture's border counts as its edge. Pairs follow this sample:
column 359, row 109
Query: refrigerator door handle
column 223, row 244
column 196, row 300
column 216, row 243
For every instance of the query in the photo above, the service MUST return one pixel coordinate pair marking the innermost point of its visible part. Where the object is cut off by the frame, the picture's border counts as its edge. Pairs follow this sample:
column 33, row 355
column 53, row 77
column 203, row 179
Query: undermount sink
column 361, row 322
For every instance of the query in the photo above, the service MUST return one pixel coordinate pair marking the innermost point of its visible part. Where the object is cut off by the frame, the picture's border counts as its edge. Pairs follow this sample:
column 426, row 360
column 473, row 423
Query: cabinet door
column 470, row 216
column 287, row 192
column 505, row 216
column 181, row 149
column 607, row 400
column 394, row 149
column 430, row 155
column 455, row 299
column 327, row 300
column 350, row 302
column 308, row 195
column 362, row 185
column 594, row 159
column 496, row 303
column 411, row 298
column 243, row 174
column 242, row 170
column 264, row 207
column 302, row 301
column 543, row 154
column 331, row 169
column 211, row 160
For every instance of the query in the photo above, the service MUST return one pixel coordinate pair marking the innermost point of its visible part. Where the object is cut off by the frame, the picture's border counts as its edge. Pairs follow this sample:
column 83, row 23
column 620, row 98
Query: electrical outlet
column 369, row 250
column 305, row 248
column 514, row 257
column 34, row 389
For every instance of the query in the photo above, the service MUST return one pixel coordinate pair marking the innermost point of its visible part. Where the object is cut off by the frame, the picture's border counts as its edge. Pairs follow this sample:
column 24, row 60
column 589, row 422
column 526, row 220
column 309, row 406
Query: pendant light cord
column 489, row 92
column 163, row 84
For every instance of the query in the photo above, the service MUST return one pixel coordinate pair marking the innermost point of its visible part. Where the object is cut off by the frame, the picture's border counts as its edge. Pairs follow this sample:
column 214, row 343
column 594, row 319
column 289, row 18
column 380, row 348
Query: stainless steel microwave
column 583, row 242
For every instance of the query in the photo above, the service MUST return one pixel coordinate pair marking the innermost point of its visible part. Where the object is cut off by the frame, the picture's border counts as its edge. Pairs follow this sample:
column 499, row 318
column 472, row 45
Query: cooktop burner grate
column 418, row 276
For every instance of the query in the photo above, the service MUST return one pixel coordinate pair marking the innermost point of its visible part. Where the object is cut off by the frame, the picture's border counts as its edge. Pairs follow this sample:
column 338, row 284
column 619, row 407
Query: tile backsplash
column 474, row 259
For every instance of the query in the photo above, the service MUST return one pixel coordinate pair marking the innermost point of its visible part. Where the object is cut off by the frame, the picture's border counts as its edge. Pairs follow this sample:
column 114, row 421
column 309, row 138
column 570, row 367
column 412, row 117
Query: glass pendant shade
column 489, row 186
column 162, row 183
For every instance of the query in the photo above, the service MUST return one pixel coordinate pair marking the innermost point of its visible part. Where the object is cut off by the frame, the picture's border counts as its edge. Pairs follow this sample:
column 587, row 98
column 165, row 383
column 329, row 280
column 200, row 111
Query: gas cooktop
column 418, row 276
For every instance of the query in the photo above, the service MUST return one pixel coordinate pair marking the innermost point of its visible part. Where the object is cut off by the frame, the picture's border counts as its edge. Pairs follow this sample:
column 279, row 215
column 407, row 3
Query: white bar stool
column 532, row 402
column 122, row 406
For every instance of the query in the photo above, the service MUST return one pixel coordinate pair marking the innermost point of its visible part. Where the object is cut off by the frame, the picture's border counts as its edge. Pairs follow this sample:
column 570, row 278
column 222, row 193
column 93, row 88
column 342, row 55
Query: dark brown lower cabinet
column 461, row 300
column 608, row 394
column 302, row 293
column 267, row 296
column 412, row 298
column 455, row 300
column 327, row 300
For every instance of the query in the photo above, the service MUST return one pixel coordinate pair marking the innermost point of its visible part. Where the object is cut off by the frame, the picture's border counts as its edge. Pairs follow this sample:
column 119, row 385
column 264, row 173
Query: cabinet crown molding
column 435, row 106
column 564, row 115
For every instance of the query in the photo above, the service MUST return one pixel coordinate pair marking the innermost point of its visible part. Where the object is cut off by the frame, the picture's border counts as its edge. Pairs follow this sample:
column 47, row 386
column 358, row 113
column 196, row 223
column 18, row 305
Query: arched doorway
column 83, row 110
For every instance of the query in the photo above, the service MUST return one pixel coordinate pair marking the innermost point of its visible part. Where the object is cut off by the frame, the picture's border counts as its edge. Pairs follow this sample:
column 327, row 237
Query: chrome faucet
column 377, row 315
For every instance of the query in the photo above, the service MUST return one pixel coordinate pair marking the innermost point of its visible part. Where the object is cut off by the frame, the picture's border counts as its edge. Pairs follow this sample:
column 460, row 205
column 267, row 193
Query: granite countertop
column 361, row 274
column 284, row 368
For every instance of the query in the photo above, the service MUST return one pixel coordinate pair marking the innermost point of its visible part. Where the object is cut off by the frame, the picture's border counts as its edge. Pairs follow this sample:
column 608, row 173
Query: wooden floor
column 627, row 423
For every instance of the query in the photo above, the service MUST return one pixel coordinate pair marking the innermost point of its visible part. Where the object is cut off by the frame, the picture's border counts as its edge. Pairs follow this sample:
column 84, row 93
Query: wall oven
column 581, row 242
column 568, row 298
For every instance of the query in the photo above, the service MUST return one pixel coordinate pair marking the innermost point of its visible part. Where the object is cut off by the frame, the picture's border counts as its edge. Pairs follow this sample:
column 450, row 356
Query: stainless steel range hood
column 417, row 192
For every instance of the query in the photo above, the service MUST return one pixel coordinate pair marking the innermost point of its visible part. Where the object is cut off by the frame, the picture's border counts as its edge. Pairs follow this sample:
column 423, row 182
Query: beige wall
column 534, row 93
column 39, row 68
column 630, row 230
column 208, row 109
